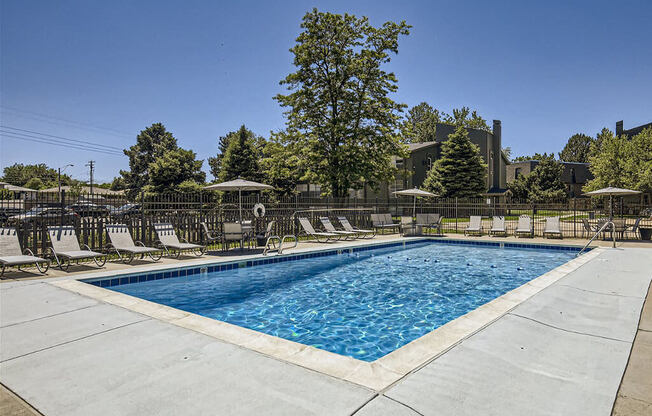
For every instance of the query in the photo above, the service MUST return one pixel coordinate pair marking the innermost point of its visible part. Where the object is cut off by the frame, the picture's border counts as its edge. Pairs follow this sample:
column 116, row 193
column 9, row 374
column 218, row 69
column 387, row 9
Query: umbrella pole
column 611, row 218
column 414, row 208
column 240, row 206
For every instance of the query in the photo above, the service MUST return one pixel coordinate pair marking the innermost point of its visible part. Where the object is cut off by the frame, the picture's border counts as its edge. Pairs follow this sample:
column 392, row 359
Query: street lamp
column 61, row 169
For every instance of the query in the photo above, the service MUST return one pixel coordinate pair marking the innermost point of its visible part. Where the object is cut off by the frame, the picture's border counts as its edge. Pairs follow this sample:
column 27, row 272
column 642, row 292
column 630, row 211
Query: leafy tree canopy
column 173, row 168
column 339, row 113
column 536, row 156
column 577, row 148
column 39, row 176
column 281, row 164
column 466, row 118
column 621, row 162
column 420, row 124
column 542, row 184
column 460, row 171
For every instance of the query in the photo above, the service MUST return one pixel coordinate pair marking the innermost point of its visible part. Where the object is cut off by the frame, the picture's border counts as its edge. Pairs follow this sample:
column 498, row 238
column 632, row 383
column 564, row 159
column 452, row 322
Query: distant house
column 574, row 176
column 424, row 155
column 620, row 131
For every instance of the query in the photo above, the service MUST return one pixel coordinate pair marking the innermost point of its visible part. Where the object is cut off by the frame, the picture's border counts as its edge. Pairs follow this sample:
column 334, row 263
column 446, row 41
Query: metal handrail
column 597, row 234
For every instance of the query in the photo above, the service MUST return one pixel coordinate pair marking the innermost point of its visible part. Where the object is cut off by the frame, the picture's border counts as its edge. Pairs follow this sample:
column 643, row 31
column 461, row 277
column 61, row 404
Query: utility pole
column 91, row 166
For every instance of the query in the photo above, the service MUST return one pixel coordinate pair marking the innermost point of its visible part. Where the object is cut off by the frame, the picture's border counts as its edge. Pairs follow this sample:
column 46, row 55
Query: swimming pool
column 363, row 303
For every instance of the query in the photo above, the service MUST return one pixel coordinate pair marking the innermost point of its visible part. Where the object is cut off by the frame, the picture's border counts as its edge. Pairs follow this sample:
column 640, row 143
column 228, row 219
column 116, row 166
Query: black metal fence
column 31, row 213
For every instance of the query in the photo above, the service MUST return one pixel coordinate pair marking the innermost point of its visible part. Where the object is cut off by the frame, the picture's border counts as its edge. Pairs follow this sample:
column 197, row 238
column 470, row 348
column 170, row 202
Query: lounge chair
column 408, row 227
column 233, row 231
column 320, row 237
column 66, row 247
column 498, row 226
column 428, row 221
column 475, row 225
column 552, row 227
column 524, row 226
column 361, row 232
column 330, row 228
column 167, row 238
column 124, row 246
column 384, row 222
column 12, row 255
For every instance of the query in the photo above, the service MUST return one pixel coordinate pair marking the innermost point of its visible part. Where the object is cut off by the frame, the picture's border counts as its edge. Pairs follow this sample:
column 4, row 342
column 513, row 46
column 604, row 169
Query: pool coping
column 377, row 375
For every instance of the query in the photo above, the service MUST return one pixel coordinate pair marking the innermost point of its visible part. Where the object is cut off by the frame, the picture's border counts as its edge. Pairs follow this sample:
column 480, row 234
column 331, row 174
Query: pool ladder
column 270, row 244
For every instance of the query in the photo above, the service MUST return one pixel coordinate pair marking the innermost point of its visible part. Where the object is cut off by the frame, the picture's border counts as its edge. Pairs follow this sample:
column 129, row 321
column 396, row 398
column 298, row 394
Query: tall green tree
column 577, row 148
column 420, row 124
column 542, row 184
column 251, row 156
column 241, row 158
column 151, row 144
column 460, row 171
column 339, row 111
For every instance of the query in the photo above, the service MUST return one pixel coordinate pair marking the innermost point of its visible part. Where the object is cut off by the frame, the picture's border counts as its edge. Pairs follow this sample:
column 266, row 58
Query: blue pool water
column 364, row 304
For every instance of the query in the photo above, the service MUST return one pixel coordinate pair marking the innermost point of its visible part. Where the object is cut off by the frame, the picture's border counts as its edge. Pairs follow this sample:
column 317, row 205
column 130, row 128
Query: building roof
column 10, row 187
column 416, row 146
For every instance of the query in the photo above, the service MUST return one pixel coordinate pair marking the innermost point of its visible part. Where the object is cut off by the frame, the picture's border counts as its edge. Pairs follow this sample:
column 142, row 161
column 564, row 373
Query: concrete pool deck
column 562, row 351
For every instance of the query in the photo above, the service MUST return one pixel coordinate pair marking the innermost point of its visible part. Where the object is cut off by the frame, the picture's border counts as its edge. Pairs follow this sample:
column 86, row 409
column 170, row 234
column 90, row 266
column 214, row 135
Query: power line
column 66, row 145
column 57, row 120
column 85, row 142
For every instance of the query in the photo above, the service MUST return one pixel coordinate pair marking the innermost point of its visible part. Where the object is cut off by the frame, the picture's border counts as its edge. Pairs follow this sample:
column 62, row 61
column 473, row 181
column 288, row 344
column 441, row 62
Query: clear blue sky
column 103, row 70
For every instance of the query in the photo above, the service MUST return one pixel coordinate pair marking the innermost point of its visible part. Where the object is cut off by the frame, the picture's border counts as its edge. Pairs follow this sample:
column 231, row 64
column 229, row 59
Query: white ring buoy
column 259, row 210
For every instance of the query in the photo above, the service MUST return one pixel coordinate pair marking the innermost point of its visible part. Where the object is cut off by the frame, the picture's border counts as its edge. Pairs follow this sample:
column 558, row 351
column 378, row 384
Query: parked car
column 41, row 215
column 125, row 212
column 89, row 209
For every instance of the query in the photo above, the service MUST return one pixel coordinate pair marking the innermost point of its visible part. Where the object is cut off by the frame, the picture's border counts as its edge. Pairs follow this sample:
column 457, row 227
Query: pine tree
column 241, row 158
column 460, row 171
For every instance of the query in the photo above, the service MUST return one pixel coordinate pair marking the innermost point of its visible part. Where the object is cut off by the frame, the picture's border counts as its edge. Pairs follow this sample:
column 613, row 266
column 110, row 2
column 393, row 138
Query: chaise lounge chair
column 362, row 233
column 12, row 255
column 320, row 237
column 384, row 222
column 330, row 228
column 524, row 226
column 124, row 246
column 498, row 226
column 475, row 225
column 66, row 247
column 552, row 227
column 167, row 238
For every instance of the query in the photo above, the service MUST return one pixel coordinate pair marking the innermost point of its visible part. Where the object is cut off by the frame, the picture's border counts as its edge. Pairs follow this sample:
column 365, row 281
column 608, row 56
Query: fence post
column 142, row 217
column 456, row 215
column 534, row 210
column 574, row 219
column 62, row 195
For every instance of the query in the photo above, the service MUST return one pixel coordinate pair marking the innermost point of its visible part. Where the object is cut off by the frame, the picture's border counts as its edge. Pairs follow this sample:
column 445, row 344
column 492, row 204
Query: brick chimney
column 619, row 128
column 497, row 151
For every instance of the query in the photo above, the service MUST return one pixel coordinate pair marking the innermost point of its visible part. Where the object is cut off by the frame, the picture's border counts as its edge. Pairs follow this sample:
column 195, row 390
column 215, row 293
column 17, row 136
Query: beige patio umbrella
column 611, row 191
column 238, row 185
column 415, row 192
